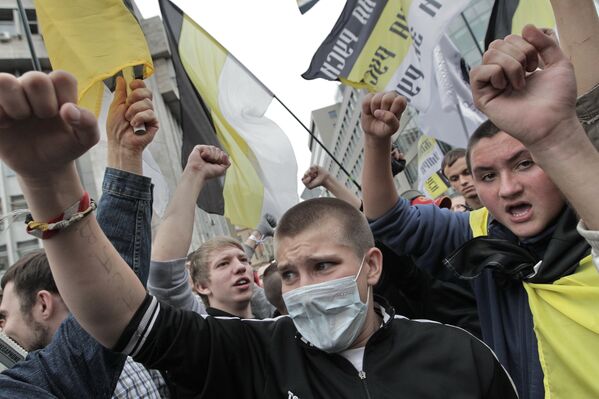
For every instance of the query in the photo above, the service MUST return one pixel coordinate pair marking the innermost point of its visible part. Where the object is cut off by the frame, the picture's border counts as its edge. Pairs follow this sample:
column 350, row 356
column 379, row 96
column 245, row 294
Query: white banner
column 427, row 20
column 451, row 115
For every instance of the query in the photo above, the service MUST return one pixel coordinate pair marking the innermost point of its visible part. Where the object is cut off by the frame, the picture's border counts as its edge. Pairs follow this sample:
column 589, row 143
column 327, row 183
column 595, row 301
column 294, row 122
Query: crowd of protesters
column 379, row 296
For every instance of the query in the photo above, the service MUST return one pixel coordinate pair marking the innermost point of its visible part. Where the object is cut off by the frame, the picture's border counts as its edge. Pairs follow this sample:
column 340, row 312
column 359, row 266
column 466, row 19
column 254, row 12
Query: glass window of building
column 468, row 30
column 25, row 247
column 17, row 202
column 4, row 263
column 32, row 21
column 7, row 23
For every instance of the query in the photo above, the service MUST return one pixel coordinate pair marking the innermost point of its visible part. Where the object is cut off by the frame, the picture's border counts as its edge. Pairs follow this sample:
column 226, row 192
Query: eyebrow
column 313, row 259
column 284, row 267
column 510, row 160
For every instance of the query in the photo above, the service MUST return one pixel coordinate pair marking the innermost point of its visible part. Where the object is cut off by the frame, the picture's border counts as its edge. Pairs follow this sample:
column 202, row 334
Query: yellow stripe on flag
column 536, row 12
column 203, row 59
column 566, row 325
column 93, row 40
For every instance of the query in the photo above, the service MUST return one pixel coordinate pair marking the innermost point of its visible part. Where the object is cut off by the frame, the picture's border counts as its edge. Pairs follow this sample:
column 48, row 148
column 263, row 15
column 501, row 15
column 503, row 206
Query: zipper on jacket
column 362, row 375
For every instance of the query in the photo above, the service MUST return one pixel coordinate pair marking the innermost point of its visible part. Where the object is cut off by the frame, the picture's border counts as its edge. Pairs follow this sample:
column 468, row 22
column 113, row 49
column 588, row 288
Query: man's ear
column 45, row 305
column 202, row 289
column 374, row 259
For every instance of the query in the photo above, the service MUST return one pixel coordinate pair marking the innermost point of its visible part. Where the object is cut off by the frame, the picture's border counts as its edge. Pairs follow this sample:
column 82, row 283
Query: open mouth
column 242, row 282
column 519, row 212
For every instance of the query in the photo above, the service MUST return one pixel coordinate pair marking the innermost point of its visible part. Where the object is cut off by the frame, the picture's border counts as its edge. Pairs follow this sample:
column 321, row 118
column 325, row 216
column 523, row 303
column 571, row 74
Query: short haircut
column 450, row 158
column 486, row 130
column 30, row 274
column 199, row 260
column 353, row 229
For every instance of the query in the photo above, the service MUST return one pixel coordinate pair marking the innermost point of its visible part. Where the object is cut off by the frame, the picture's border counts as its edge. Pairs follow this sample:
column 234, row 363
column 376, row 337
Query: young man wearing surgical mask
column 336, row 329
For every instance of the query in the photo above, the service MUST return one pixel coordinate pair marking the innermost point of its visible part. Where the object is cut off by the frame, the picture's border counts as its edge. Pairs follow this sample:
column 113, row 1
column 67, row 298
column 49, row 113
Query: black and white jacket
column 226, row 357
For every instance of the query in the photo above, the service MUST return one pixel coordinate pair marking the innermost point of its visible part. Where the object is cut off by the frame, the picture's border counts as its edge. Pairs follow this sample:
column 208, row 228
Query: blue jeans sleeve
column 125, row 216
column 74, row 364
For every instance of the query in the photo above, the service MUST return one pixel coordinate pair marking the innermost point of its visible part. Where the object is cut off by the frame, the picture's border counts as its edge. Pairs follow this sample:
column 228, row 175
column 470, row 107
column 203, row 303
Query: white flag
column 451, row 115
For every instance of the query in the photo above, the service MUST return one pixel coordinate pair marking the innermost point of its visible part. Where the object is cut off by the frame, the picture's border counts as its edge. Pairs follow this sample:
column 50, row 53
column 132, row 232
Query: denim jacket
column 74, row 365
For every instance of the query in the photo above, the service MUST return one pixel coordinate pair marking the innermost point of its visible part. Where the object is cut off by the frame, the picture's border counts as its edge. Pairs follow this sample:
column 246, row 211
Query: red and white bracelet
column 71, row 215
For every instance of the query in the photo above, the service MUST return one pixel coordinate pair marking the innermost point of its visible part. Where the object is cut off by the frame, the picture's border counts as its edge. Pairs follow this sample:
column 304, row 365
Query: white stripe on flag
column 243, row 102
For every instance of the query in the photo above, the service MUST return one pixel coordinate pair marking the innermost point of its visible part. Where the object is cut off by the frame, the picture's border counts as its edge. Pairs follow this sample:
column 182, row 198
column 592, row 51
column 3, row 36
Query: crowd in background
column 490, row 294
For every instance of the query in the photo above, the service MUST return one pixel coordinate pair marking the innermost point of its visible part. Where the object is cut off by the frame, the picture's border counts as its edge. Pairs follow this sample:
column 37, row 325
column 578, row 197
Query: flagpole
column 319, row 142
column 480, row 50
column 35, row 61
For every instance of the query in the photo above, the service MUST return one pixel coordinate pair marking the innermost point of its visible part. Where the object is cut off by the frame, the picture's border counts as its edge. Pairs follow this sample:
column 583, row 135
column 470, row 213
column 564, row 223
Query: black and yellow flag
column 223, row 104
column 195, row 117
column 510, row 16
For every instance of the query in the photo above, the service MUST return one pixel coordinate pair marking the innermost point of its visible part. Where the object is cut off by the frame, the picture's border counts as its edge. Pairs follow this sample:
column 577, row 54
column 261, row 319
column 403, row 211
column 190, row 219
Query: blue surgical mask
column 329, row 315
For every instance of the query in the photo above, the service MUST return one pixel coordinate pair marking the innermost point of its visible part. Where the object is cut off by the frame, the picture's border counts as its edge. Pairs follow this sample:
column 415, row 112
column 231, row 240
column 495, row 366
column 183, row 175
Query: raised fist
column 381, row 113
column 523, row 101
column 42, row 131
column 209, row 161
column 314, row 177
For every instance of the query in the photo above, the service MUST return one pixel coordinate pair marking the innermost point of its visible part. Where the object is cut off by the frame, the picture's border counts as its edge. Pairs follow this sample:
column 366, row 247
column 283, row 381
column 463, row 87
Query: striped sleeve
column 139, row 328
column 190, row 347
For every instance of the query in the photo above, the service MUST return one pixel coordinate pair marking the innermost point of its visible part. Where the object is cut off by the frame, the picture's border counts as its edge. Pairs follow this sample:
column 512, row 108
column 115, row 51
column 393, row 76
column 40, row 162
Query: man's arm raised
column 42, row 133
column 380, row 120
column 537, row 107
column 125, row 147
column 173, row 237
column 316, row 176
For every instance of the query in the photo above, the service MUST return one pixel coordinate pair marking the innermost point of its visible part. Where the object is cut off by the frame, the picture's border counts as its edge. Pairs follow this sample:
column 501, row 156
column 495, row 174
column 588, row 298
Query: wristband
column 71, row 215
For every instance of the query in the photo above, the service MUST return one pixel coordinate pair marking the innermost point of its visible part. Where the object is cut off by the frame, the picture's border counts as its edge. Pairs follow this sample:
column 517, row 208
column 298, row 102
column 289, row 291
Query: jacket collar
column 553, row 254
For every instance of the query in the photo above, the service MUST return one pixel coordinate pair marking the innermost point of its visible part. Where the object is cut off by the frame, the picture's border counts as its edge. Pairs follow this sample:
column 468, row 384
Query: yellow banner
column 93, row 40
column 536, row 12
column 430, row 158
column 384, row 50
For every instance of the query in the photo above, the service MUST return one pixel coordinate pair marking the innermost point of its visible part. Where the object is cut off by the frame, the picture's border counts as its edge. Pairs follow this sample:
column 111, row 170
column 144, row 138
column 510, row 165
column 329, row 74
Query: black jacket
column 415, row 293
column 221, row 358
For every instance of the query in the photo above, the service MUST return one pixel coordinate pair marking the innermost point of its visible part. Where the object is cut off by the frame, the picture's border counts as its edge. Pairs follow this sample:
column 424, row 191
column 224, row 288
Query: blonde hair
column 199, row 260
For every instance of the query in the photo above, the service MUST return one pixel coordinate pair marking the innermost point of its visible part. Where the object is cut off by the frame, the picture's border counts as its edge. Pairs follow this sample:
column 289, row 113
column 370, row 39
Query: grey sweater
column 169, row 283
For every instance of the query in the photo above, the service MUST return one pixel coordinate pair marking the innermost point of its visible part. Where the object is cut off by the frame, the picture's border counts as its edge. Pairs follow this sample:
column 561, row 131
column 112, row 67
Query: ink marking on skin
column 117, row 280
column 88, row 234
column 104, row 259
